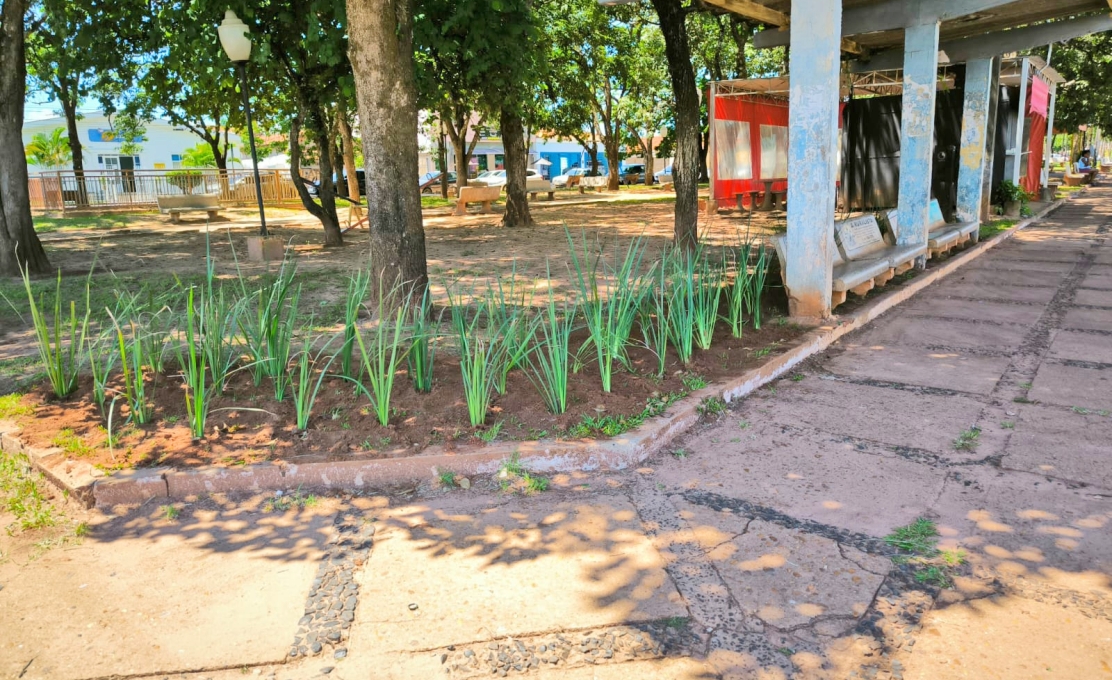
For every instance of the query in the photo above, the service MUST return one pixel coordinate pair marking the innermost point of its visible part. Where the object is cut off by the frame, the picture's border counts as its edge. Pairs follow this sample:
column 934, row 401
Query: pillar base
column 265, row 248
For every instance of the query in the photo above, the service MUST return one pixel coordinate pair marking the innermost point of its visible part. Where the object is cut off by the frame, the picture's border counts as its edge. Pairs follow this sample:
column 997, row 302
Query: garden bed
column 246, row 425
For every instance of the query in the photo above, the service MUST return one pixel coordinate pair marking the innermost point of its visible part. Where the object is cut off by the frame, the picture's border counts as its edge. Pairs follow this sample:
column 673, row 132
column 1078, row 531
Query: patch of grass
column 968, row 439
column 798, row 377
column 21, row 494
column 11, row 405
column 614, row 425
column 47, row 225
column 491, row 433
column 990, row 229
column 282, row 502
column 1025, row 385
column 693, row 382
column 436, row 202
column 447, row 479
column 675, row 622
column 169, row 512
column 920, row 538
column 1008, row 424
column 711, row 406
column 680, row 454
column 918, row 546
column 513, row 475
column 71, row 443
column 1022, row 400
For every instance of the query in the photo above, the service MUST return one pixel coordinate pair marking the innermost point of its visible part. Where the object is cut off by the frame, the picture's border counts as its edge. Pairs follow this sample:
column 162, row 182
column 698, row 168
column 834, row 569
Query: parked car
column 562, row 180
column 663, row 176
column 497, row 178
column 430, row 184
column 633, row 174
column 360, row 176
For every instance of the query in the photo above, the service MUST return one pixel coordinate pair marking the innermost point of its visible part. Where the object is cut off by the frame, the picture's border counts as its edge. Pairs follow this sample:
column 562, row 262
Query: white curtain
column 774, row 152
column 735, row 160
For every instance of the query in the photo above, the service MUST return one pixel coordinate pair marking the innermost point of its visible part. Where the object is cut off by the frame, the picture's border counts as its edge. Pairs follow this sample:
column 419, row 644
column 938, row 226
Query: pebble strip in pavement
column 334, row 595
column 519, row 656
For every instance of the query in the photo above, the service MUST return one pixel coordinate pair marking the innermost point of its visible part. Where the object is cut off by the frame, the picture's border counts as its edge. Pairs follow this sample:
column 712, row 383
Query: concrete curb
column 92, row 487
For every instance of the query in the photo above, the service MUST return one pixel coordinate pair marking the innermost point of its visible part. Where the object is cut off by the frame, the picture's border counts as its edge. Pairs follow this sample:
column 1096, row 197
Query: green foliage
column 491, row 433
column 385, row 348
column 711, row 406
column 652, row 318
column 49, row 151
column 194, row 365
column 968, row 439
column 424, row 334
column 21, row 494
column 71, row 443
column 610, row 300
column 61, row 345
column 482, row 355
column 358, row 284
column 304, row 388
column 920, row 537
column 693, row 381
column 11, row 405
column 549, row 358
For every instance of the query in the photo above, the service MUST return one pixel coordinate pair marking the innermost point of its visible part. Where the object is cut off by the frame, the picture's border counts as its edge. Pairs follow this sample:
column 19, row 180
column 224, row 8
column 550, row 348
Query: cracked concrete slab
column 1008, row 637
column 1063, row 444
column 817, row 477
column 975, row 310
column 1023, row 524
column 1088, row 319
column 143, row 595
column 950, row 370
column 788, row 578
column 1093, row 298
column 1082, row 346
column 1013, row 277
column 1073, row 386
column 1099, row 278
column 458, row 570
column 987, row 291
column 856, row 410
column 909, row 330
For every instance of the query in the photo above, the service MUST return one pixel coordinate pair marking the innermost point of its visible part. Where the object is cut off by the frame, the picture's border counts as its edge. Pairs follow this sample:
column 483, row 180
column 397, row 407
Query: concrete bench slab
column 175, row 205
column 472, row 194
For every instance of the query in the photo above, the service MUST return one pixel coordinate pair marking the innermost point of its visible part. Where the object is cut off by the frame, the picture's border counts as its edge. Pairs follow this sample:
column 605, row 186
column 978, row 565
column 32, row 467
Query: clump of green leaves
column 548, row 361
column 917, row 544
column 282, row 502
column 514, row 476
column 21, row 494
column 11, row 405
column 491, row 433
column 968, row 439
column 711, row 406
column 61, row 342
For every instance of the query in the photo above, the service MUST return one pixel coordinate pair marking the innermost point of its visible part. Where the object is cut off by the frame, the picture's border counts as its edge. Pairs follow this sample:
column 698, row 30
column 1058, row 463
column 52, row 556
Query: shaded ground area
column 752, row 549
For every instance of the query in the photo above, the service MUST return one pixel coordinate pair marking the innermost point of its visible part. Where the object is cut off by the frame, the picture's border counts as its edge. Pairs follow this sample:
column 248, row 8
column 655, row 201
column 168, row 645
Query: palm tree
column 49, row 151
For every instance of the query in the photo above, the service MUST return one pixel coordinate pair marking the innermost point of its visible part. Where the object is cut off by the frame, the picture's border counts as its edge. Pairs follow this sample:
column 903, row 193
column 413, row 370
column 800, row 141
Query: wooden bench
column 665, row 182
column 175, row 205
column 539, row 185
column 943, row 236
column 753, row 195
column 598, row 183
column 469, row 194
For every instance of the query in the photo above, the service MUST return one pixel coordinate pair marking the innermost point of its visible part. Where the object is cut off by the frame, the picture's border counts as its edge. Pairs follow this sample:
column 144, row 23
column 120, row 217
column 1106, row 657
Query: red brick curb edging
column 90, row 486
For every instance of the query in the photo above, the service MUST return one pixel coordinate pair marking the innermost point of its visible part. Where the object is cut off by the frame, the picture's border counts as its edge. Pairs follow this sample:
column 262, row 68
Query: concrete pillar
column 1018, row 165
column 991, row 148
column 974, row 133
column 815, row 66
column 920, row 81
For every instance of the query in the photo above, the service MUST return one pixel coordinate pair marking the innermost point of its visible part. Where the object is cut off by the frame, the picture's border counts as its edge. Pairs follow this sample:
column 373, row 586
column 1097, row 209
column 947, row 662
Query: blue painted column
column 815, row 66
column 974, row 136
column 917, row 131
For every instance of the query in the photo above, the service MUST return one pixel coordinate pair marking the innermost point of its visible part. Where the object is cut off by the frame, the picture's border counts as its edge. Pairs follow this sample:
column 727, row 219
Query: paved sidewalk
column 752, row 549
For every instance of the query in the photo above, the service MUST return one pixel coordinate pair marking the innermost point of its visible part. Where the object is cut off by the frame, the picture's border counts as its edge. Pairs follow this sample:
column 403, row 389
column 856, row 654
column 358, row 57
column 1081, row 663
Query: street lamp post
column 236, row 40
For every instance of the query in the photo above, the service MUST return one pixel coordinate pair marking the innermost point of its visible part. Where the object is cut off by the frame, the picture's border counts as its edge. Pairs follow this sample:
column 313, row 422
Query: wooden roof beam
column 758, row 12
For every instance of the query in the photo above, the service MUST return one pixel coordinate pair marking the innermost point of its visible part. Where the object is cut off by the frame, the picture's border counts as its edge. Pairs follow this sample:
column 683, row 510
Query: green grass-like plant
column 653, row 319
column 738, row 294
column 384, row 349
column 757, row 285
column 61, row 344
column 610, row 307
column 506, row 306
column 424, row 334
column 304, row 388
column 194, row 367
column 358, row 284
column 548, row 362
column 481, row 356
column 132, row 362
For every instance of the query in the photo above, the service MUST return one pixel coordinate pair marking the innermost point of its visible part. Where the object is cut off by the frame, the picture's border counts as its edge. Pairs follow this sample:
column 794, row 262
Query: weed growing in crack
column 283, row 502
column 491, row 433
column 968, row 439
column 693, row 381
column 513, row 476
column 169, row 512
column 711, row 406
column 680, row 454
column 1022, row 400
column 1008, row 424
column 918, row 549
column 447, row 479
column 798, row 377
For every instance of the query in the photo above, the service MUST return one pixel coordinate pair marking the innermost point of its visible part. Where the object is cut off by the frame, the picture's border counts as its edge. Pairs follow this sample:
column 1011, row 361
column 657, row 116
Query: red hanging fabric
column 755, row 112
column 1031, row 181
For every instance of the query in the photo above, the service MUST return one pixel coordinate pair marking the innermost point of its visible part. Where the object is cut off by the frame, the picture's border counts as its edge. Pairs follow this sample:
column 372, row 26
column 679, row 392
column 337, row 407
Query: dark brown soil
column 246, row 425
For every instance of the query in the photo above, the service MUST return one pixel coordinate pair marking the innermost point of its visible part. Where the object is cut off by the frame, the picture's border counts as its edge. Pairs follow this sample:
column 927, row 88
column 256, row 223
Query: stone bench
column 862, row 258
column 175, row 205
column 469, row 194
column 598, row 183
column 539, row 185
column 943, row 236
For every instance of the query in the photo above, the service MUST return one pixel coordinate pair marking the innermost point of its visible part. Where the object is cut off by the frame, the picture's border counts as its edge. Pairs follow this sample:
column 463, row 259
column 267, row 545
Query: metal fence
column 106, row 190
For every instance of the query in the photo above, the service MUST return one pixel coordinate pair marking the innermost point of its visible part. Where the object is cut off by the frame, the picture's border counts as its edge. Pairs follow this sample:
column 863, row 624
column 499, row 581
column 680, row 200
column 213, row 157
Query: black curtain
column 871, row 151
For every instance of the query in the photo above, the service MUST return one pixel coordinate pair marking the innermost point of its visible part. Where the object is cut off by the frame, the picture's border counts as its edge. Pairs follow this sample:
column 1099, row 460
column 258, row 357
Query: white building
column 161, row 149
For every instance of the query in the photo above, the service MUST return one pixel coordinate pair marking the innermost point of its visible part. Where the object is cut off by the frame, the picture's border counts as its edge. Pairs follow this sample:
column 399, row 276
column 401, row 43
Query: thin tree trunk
column 349, row 160
column 381, row 54
column 517, row 165
column 685, row 167
column 221, row 158
column 326, row 210
column 462, row 158
column 442, row 163
column 647, row 152
column 77, row 157
column 613, row 151
column 19, row 244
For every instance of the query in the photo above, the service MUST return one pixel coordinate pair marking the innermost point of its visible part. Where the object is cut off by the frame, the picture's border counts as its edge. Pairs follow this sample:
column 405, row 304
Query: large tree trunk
column 69, row 109
column 19, row 244
column 221, row 157
column 381, row 52
column 459, row 145
column 517, row 164
column 685, row 167
column 613, row 164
